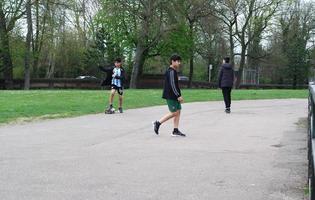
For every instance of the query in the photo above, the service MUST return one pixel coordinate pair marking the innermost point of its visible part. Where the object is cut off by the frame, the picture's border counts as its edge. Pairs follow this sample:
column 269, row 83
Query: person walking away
column 226, row 80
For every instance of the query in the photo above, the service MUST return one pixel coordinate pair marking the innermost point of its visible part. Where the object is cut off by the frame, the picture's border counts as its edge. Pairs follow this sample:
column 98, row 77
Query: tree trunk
column 139, row 59
column 231, row 45
column 240, row 71
column 36, row 40
column 191, row 69
column 53, row 40
column 145, row 54
column 39, row 40
column 294, row 80
column 51, row 68
column 253, row 60
column 191, row 59
column 5, row 52
column 28, row 46
column 85, row 41
column 210, row 75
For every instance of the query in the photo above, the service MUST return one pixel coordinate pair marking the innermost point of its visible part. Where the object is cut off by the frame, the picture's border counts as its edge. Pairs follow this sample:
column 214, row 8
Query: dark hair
column 175, row 57
column 118, row 60
column 227, row 59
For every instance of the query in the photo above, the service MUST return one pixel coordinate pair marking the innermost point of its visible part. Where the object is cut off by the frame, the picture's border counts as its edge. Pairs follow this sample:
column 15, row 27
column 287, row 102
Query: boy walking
column 226, row 79
column 173, row 97
column 117, row 85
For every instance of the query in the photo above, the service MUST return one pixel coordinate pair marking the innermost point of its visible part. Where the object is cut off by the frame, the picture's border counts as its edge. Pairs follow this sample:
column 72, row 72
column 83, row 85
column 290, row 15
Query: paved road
column 256, row 153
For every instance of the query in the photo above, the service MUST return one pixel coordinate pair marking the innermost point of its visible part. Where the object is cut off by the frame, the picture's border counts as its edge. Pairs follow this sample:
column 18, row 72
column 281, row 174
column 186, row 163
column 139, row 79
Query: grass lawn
column 20, row 105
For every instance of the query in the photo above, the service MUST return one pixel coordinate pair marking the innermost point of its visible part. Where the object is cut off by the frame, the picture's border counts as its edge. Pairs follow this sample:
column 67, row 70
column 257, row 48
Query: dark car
column 183, row 78
column 86, row 78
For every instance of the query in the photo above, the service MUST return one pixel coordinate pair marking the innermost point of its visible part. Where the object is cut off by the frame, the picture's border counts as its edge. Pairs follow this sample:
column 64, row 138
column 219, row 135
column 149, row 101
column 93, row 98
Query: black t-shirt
column 171, row 88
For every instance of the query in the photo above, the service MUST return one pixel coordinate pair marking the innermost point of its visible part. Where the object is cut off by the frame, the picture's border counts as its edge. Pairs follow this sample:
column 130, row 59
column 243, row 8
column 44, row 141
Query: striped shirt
column 116, row 81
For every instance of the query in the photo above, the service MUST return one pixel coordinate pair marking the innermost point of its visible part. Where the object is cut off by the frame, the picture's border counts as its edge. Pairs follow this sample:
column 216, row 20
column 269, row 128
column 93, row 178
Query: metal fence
column 311, row 139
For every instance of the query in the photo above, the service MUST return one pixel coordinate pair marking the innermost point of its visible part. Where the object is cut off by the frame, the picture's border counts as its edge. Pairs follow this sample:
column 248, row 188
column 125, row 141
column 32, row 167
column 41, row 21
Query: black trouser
column 226, row 91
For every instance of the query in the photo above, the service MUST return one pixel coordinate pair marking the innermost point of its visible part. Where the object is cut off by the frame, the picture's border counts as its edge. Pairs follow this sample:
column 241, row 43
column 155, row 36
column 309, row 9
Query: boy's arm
column 220, row 78
column 101, row 68
column 174, row 84
column 233, row 76
column 105, row 69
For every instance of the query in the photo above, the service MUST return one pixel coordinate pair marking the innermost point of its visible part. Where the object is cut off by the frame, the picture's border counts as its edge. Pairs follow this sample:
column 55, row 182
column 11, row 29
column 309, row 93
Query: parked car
column 86, row 78
column 183, row 78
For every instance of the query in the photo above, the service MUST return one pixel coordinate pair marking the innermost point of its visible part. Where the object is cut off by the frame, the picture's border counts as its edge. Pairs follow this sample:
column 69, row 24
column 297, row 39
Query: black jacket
column 171, row 88
column 109, row 73
column 226, row 76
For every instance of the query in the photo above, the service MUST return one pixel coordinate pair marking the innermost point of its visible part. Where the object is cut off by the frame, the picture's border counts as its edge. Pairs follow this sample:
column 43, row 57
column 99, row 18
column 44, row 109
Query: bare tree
column 10, row 12
column 212, row 43
column 262, row 10
column 297, row 26
column 193, row 11
column 148, row 35
column 140, row 24
column 28, row 45
column 227, row 12
column 38, row 39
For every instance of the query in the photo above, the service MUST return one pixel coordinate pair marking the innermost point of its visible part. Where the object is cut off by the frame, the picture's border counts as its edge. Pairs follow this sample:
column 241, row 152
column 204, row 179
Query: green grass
column 40, row 104
column 306, row 191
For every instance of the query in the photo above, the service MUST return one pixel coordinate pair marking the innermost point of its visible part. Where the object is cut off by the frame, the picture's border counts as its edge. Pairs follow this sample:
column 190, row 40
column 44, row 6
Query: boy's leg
column 176, row 119
column 176, row 132
column 174, row 108
column 229, row 97
column 225, row 96
column 167, row 117
column 120, row 104
column 120, row 100
column 157, row 124
column 111, row 96
column 120, row 92
column 110, row 109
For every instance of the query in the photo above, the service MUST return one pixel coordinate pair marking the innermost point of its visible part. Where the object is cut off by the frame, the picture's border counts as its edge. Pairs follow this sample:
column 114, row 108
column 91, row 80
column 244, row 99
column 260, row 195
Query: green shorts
column 173, row 105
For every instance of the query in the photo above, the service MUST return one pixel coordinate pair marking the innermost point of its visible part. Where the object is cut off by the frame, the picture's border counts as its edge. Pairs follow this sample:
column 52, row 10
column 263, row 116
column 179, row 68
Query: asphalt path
column 258, row 152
